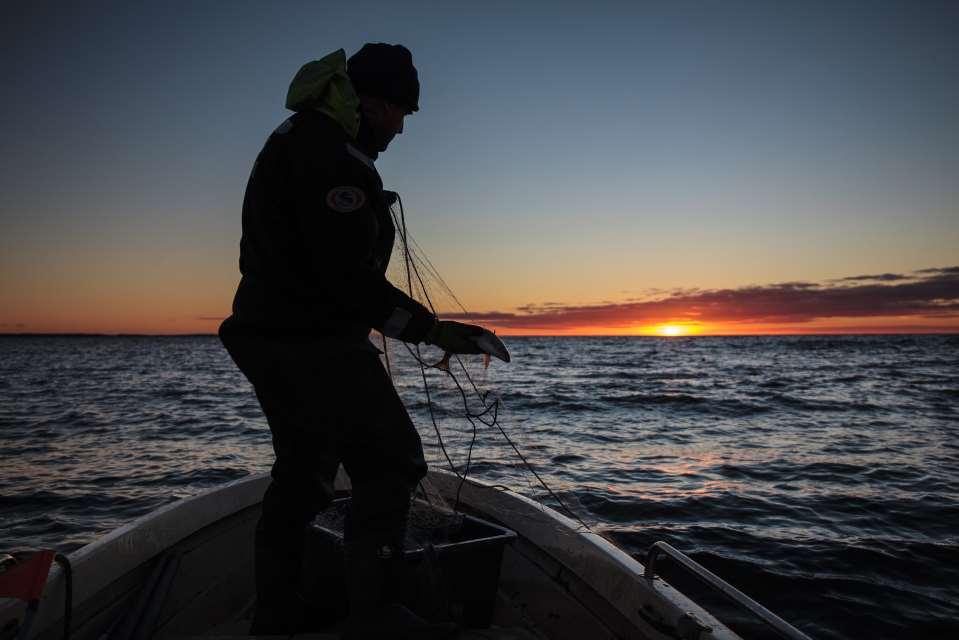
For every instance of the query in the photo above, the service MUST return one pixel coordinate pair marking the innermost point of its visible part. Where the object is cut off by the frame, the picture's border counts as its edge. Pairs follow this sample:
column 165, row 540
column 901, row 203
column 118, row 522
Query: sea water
column 819, row 475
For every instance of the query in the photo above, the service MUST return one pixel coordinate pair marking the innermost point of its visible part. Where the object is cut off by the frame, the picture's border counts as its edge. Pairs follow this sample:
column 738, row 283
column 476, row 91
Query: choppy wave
column 817, row 474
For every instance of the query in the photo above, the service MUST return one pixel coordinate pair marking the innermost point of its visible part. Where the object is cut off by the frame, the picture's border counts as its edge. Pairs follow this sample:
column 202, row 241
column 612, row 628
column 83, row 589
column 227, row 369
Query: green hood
column 322, row 85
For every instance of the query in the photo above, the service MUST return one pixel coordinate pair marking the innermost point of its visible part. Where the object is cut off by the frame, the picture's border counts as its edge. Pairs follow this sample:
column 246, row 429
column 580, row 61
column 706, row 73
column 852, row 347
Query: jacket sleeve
column 337, row 225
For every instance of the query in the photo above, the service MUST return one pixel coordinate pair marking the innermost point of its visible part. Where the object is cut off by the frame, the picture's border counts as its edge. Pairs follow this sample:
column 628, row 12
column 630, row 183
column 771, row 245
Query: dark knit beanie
column 387, row 71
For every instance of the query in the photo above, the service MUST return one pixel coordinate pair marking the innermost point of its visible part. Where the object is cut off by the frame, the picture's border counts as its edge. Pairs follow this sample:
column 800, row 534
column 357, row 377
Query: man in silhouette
column 317, row 238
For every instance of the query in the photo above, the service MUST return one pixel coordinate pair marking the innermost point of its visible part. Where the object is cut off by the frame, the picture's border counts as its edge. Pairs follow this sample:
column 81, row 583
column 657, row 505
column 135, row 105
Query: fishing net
column 464, row 423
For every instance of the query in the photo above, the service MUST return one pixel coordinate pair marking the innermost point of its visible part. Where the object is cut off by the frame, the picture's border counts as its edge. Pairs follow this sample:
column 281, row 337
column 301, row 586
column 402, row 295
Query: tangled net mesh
column 461, row 421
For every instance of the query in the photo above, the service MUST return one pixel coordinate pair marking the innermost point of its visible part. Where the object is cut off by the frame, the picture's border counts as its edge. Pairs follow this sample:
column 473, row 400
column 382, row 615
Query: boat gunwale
column 134, row 544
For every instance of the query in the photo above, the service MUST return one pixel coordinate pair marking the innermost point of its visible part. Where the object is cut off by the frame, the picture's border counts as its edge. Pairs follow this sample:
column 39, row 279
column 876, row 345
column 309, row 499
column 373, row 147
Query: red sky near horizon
column 924, row 301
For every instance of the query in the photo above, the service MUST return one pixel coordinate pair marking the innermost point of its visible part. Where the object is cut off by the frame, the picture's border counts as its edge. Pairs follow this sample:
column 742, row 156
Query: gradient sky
column 566, row 156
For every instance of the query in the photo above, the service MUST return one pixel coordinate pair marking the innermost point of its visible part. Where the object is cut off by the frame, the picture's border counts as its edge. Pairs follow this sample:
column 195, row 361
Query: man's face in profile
column 385, row 120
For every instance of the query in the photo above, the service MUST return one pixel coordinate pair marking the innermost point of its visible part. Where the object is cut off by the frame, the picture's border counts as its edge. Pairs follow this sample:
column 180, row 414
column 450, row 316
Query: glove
column 454, row 337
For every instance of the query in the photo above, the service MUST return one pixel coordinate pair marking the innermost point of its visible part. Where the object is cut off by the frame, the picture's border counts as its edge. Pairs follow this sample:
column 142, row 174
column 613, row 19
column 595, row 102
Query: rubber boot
column 372, row 575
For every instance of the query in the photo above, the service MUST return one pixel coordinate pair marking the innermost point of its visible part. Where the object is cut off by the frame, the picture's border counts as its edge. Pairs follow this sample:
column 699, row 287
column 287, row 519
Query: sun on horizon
column 672, row 330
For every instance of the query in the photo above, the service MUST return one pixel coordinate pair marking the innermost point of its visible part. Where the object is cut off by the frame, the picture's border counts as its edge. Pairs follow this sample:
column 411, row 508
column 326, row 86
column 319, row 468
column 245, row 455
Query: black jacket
column 317, row 239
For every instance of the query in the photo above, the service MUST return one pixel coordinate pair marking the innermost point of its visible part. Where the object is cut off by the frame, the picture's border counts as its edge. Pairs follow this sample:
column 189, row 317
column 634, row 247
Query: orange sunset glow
column 924, row 301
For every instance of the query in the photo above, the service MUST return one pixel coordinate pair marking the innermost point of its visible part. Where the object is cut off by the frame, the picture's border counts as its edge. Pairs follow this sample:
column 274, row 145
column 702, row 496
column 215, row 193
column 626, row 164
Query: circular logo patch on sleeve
column 345, row 199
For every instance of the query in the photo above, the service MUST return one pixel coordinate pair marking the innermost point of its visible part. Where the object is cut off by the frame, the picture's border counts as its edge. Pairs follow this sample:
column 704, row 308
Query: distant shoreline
column 506, row 335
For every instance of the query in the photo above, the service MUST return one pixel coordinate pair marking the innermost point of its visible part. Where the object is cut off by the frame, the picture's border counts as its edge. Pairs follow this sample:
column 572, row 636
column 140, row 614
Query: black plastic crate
column 454, row 580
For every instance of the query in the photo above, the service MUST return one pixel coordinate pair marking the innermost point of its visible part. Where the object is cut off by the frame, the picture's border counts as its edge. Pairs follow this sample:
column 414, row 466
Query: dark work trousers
column 326, row 403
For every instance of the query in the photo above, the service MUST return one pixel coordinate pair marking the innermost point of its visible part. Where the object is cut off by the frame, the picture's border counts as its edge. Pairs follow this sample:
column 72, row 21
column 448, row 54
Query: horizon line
column 510, row 335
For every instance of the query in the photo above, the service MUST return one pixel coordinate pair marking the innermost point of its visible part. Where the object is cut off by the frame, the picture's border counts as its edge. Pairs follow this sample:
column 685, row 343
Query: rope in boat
column 489, row 408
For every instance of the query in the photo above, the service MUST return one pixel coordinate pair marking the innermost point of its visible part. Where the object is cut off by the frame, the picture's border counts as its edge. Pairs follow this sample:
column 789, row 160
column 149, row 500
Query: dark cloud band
column 928, row 293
